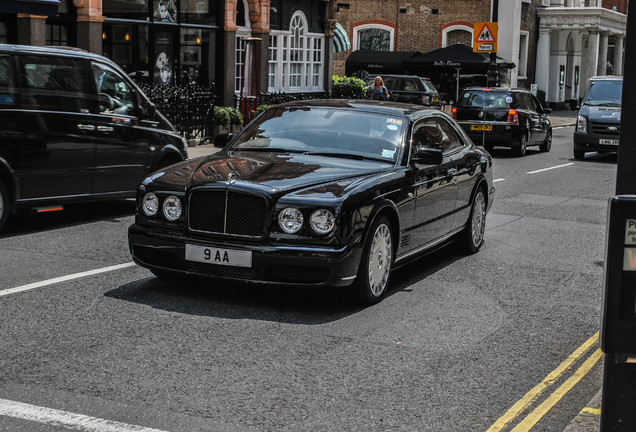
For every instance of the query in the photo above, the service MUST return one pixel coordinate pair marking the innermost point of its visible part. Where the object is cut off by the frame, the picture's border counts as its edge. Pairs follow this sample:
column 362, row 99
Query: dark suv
column 599, row 120
column 409, row 88
column 504, row 117
column 74, row 127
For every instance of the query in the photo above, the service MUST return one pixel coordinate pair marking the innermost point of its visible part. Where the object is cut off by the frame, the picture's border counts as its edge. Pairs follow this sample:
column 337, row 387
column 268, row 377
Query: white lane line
column 63, row 279
column 551, row 168
column 498, row 180
column 57, row 418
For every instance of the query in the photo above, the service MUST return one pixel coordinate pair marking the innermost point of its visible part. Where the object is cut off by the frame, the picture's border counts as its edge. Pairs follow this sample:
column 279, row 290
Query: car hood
column 602, row 113
column 272, row 173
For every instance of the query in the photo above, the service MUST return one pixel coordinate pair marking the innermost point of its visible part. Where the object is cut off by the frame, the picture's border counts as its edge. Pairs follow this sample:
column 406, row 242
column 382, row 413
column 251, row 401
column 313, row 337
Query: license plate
column 608, row 141
column 228, row 257
column 479, row 127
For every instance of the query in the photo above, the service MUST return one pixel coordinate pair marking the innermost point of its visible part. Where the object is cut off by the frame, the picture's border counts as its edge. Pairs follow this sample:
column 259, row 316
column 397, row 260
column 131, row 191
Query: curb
column 589, row 419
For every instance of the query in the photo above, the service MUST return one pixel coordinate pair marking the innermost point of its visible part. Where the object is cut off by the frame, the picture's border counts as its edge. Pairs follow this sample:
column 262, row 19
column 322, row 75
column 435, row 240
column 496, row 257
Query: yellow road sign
column 485, row 36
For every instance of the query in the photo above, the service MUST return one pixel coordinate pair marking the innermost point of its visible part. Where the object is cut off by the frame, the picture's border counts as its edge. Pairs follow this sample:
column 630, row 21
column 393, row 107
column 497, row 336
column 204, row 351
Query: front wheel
column 4, row 206
column 376, row 263
column 473, row 236
column 547, row 144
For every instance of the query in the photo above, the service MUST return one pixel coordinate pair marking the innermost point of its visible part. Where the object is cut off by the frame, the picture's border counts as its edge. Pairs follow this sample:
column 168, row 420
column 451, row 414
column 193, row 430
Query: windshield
column 606, row 93
column 330, row 132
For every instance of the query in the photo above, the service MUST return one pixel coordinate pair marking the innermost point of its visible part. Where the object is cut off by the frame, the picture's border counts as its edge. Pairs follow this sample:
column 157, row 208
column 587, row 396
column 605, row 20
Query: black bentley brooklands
column 317, row 193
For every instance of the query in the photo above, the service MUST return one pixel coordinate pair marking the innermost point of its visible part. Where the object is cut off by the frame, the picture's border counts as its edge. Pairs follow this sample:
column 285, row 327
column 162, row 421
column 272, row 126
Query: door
column 435, row 186
column 537, row 120
column 122, row 148
column 56, row 154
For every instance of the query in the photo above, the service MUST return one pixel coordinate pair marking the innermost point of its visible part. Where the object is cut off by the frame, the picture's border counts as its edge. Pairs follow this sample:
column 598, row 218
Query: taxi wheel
column 476, row 227
column 4, row 206
column 520, row 150
column 547, row 144
column 374, row 272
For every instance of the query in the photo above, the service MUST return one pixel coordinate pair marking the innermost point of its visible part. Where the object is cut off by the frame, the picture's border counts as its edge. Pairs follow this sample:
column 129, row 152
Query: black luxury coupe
column 317, row 193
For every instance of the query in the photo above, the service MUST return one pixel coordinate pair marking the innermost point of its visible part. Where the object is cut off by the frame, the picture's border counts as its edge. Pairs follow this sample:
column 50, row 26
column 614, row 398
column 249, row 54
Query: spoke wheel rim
column 477, row 222
column 380, row 259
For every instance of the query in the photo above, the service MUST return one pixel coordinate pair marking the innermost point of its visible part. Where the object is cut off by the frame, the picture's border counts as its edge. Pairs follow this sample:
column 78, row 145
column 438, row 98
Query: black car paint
column 357, row 191
column 51, row 157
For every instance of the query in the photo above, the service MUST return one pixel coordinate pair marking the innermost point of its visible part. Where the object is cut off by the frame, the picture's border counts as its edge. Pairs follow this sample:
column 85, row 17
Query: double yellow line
column 537, row 414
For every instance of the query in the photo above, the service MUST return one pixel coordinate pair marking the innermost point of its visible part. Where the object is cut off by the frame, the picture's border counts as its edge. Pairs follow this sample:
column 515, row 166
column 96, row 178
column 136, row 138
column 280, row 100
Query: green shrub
column 221, row 116
column 261, row 108
column 236, row 118
column 348, row 87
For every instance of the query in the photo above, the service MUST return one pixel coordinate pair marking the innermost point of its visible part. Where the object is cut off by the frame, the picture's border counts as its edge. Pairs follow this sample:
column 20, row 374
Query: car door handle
column 86, row 127
column 105, row 128
column 452, row 172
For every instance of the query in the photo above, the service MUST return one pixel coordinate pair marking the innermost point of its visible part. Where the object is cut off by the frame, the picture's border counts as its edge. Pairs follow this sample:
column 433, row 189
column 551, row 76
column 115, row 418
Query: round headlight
column 322, row 221
column 150, row 204
column 290, row 220
column 172, row 208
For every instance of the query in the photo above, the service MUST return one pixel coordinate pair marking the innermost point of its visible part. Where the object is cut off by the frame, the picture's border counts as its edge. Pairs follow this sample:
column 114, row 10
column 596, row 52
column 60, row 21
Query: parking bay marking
column 64, row 279
column 55, row 417
column 551, row 378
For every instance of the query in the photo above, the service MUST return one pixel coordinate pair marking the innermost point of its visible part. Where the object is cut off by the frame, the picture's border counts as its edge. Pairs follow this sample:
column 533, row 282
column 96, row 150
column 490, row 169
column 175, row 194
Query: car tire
column 473, row 236
column 547, row 144
column 579, row 154
column 375, row 267
column 4, row 206
column 520, row 149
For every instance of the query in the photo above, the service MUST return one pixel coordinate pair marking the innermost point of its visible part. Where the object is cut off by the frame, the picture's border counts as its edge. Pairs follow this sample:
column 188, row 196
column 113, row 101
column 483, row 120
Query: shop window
column 197, row 12
column 164, row 11
column 57, row 35
column 4, row 32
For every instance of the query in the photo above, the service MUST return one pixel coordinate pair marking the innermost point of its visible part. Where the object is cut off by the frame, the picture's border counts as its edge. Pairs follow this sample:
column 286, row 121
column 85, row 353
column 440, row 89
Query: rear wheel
column 376, row 263
column 4, row 206
column 547, row 144
column 473, row 236
column 520, row 149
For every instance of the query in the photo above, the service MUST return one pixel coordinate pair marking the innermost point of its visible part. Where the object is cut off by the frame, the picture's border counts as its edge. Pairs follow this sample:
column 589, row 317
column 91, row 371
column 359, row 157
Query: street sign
column 485, row 39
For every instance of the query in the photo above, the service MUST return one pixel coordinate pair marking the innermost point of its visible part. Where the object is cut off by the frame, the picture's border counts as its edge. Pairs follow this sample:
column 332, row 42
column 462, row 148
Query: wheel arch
column 7, row 177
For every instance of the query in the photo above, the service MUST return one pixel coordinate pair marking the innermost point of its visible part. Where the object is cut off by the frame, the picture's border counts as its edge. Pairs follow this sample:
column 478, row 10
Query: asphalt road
column 459, row 341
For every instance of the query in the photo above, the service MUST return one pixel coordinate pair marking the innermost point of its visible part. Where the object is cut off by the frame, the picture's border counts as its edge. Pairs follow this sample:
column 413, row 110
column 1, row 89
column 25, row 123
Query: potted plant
column 221, row 120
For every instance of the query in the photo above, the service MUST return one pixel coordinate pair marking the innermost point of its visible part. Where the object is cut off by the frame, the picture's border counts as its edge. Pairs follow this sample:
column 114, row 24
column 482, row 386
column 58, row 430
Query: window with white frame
column 454, row 34
column 296, row 57
column 523, row 54
column 375, row 37
column 242, row 34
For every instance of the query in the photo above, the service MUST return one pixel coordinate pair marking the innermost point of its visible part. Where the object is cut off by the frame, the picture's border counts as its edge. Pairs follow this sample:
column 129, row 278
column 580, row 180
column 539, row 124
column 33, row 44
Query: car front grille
column 605, row 128
column 227, row 212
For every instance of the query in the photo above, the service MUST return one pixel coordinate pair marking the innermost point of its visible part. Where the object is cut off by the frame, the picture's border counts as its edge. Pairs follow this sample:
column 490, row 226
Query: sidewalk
column 589, row 419
column 557, row 118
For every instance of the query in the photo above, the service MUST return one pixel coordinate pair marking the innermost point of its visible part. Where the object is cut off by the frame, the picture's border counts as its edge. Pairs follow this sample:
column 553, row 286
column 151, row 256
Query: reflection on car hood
column 272, row 172
column 602, row 113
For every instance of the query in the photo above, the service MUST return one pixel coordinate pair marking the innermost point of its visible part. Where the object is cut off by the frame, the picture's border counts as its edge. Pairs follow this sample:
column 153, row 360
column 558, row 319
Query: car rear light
column 513, row 117
column 454, row 113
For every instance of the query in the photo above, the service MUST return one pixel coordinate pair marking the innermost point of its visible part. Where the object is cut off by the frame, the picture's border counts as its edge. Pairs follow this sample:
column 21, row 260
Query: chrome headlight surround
column 172, row 208
column 150, row 204
column 290, row 220
column 581, row 124
column 322, row 221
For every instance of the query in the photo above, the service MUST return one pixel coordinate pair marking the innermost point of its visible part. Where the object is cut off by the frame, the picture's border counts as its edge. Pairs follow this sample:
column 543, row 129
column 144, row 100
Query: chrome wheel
column 478, row 219
column 520, row 150
column 380, row 259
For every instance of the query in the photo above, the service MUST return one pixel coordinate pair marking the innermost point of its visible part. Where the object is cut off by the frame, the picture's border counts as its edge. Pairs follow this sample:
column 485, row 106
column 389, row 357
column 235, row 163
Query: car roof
column 386, row 108
column 606, row 78
column 62, row 51
column 516, row 89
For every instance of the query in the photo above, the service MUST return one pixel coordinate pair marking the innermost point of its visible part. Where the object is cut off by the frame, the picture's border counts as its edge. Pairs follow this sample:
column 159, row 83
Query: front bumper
column 592, row 142
column 271, row 263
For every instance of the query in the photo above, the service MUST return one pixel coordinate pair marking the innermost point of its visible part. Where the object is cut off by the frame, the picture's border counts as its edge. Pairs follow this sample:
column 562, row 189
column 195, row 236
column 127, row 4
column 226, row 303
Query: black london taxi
column 317, row 193
column 74, row 127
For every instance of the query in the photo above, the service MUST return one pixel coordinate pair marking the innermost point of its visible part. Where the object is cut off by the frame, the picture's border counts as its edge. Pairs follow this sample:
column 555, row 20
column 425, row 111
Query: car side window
column 450, row 138
column 410, row 84
column 7, row 82
column 54, row 84
column 426, row 134
column 536, row 105
column 114, row 94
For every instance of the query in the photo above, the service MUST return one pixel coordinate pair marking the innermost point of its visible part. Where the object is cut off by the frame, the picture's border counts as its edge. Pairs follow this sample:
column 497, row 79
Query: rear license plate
column 608, row 141
column 229, row 257
column 479, row 127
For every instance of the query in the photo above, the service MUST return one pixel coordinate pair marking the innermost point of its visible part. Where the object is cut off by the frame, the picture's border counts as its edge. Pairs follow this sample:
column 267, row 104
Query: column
column 590, row 62
column 618, row 55
column 601, row 67
column 543, row 60
column 89, row 25
column 31, row 30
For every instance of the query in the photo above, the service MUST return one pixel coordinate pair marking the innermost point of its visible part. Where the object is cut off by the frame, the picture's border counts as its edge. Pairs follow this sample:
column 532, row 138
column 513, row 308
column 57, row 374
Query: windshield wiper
column 355, row 156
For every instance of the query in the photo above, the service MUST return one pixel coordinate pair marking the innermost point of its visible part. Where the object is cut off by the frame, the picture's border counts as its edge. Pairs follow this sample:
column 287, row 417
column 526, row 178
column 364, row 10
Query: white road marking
column 63, row 279
column 57, row 418
column 498, row 180
column 551, row 168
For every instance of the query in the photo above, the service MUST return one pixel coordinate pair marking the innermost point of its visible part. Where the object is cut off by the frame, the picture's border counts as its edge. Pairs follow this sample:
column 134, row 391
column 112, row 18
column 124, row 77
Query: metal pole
column 492, row 67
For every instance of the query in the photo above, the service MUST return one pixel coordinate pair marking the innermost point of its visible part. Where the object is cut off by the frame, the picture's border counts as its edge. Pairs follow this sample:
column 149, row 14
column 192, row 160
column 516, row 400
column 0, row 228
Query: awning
column 377, row 62
column 31, row 7
column 454, row 57
column 341, row 40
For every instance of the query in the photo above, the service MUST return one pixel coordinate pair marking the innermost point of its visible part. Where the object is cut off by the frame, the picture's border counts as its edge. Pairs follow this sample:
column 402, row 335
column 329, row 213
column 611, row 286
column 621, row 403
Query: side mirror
column 221, row 140
column 148, row 110
column 547, row 110
column 428, row 156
